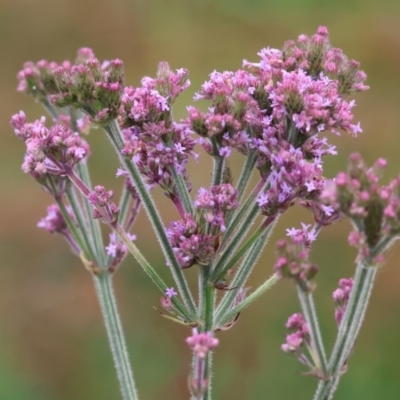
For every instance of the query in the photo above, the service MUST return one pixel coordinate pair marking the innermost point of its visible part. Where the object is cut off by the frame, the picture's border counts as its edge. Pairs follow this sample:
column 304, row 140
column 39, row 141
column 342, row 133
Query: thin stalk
column 108, row 305
column 226, row 262
column 243, row 273
column 94, row 224
column 183, row 191
column 82, row 222
column 208, row 374
column 237, row 219
column 207, row 292
column 74, row 230
column 218, row 170
column 115, row 135
column 124, row 209
column 151, row 272
column 248, row 300
column 134, row 250
column 348, row 330
column 95, row 235
column 246, row 173
column 50, row 108
column 103, row 287
column 310, row 314
column 206, row 310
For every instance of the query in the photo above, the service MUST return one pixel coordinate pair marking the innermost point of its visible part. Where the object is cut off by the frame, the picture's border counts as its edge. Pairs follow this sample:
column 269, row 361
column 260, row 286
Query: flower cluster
column 233, row 111
column 291, row 177
column 195, row 240
column 315, row 56
column 287, row 97
column 116, row 250
column 88, row 84
column 104, row 207
column 190, row 243
column 298, row 339
column 158, row 151
column 157, row 144
column 54, row 222
column 273, row 112
column 201, row 343
column 341, row 297
column 151, row 103
column 53, row 151
column 293, row 258
column 373, row 208
column 216, row 202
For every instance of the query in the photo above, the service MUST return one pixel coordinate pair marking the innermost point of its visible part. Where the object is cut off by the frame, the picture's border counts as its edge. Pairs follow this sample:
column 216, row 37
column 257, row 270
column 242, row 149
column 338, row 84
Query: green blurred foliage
column 52, row 342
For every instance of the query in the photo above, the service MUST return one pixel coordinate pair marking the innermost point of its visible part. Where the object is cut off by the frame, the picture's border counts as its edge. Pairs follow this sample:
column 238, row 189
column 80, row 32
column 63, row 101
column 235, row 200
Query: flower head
column 293, row 258
column 201, row 342
column 341, row 297
column 373, row 208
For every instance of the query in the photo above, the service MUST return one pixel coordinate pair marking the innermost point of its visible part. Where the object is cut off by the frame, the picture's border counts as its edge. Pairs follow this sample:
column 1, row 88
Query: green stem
column 244, row 215
column 50, row 108
column 231, row 314
column 104, row 290
column 208, row 373
column 124, row 208
column 133, row 249
column 218, row 170
column 82, row 223
column 246, row 173
column 115, row 135
column 74, row 231
column 94, row 224
column 206, row 306
column 310, row 314
column 207, row 295
column 151, row 272
column 225, row 263
column 183, row 191
column 348, row 330
column 243, row 273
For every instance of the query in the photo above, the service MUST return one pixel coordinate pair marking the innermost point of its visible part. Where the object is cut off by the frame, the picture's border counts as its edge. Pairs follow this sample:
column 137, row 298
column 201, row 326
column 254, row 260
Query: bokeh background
column 52, row 341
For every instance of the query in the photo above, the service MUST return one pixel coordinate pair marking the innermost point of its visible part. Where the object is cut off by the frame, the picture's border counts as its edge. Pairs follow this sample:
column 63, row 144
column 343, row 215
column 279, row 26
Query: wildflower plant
column 274, row 112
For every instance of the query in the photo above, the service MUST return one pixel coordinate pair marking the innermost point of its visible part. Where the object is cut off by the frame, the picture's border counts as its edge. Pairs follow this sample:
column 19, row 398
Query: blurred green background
column 52, row 342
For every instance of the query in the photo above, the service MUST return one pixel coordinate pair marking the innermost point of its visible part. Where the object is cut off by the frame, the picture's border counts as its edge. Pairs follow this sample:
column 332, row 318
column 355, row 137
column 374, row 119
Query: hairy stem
column 227, row 261
column 93, row 224
column 231, row 314
column 246, row 173
column 115, row 135
column 243, row 273
column 310, row 314
column 244, row 215
column 183, row 191
column 104, row 290
column 348, row 330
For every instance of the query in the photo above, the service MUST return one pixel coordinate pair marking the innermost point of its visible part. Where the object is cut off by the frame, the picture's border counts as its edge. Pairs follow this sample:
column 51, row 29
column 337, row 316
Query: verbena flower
column 201, row 342
column 190, row 242
column 373, row 208
column 293, row 257
column 216, row 202
column 116, row 250
column 298, row 339
column 341, row 297
column 88, row 84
